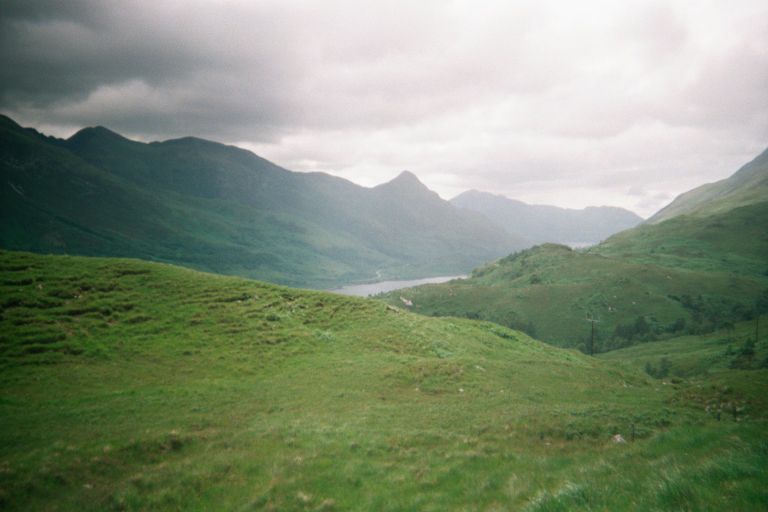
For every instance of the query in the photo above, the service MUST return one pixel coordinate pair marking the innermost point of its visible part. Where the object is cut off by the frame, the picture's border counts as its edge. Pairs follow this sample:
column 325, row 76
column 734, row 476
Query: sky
column 552, row 102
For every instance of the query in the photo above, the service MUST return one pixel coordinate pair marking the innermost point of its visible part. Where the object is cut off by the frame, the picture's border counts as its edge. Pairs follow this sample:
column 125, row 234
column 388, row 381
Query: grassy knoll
column 127, row 385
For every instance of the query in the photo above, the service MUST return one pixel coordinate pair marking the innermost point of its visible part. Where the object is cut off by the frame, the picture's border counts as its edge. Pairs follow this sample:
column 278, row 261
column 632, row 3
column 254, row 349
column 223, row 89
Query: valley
column 700, row 270
column 625, row 375
column 332, row 256
column 222, row 209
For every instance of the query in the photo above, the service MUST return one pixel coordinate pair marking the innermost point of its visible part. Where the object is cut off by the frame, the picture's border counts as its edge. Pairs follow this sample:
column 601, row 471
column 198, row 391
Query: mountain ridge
column 224, row 209
column 746, row 186
column 545, row 223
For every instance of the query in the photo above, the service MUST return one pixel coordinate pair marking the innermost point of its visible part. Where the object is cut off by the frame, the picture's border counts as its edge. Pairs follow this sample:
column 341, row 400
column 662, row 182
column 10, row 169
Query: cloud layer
column 570, row 103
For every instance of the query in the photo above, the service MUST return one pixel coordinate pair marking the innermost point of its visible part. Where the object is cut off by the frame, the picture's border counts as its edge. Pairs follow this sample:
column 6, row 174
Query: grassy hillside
column 735, row 241
column 712, row 354
column 550, row 291
column 728, row 363
column 747, row 186
column 135, row 386
column 223, row 209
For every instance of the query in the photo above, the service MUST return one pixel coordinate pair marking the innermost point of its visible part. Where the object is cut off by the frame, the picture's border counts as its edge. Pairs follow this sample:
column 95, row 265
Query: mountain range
column 543, row 223
column 223, row 209
column 220, row 208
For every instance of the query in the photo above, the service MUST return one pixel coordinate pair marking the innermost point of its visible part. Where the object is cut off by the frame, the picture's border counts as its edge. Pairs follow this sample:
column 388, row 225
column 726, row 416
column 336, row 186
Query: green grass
column 550, row 291
column 734, row 241
column 690, row 356
column 134, row 386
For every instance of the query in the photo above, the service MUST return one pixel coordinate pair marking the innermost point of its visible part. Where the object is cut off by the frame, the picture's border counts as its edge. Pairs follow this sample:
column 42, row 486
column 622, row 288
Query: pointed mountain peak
column 406, row 183
column 405, row 180
column 406, row 177
column 95, row 133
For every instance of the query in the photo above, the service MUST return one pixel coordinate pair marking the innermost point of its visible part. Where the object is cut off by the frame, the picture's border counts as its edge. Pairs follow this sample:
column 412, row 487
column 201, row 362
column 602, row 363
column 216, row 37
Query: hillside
column 689, row 274
column 727, row 355
column 747, row 186
column 128, row 385
column 541, row 223
column 721, row 226
column 220, row 208
column 734, row 241
column 550, row 291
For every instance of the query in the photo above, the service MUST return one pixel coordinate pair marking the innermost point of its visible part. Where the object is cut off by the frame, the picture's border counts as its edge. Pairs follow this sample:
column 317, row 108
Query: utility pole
column 591, row 347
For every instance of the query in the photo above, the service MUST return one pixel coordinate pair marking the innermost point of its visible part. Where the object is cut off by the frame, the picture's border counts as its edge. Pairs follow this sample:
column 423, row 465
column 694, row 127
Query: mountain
column 540, row 223
column 747, row 186
column 129, row 385
column 220, row 208
column 689, row 274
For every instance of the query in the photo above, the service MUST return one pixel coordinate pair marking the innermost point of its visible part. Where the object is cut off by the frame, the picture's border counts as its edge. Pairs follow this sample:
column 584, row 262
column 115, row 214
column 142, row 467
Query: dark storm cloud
column 532, row 98
column 143, row 68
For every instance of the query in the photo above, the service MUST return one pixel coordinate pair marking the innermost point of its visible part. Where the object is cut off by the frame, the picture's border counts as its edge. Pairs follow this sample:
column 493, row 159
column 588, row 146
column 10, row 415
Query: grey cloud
column 214, row 76
column 531, row 95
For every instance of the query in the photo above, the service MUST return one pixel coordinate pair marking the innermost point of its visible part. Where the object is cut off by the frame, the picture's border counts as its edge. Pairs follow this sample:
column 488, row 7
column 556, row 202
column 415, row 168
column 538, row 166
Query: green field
column 135, row 386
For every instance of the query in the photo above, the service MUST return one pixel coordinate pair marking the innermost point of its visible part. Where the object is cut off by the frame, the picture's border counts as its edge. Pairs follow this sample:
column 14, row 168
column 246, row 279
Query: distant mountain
column 747, row 186
column 223, row 209
column 540, row 223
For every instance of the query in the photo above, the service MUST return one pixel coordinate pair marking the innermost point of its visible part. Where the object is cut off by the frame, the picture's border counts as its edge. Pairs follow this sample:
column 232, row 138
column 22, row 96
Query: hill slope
column 131, row 386
column 540, row 223
column 713, row 355
column 747, row 186
column 550, row 291
column 220, row 208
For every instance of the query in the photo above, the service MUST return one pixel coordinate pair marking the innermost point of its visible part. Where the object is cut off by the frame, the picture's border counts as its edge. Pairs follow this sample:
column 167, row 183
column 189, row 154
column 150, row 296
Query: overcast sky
column 571, row 103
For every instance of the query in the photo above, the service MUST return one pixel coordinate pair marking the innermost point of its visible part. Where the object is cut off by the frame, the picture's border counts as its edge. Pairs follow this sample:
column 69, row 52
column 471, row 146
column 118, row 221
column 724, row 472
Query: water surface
column 364, row 290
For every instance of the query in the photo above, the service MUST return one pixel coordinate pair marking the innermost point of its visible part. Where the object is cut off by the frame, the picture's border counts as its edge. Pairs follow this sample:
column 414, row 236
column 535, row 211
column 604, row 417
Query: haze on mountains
column 220, row 208
column 542, row 223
